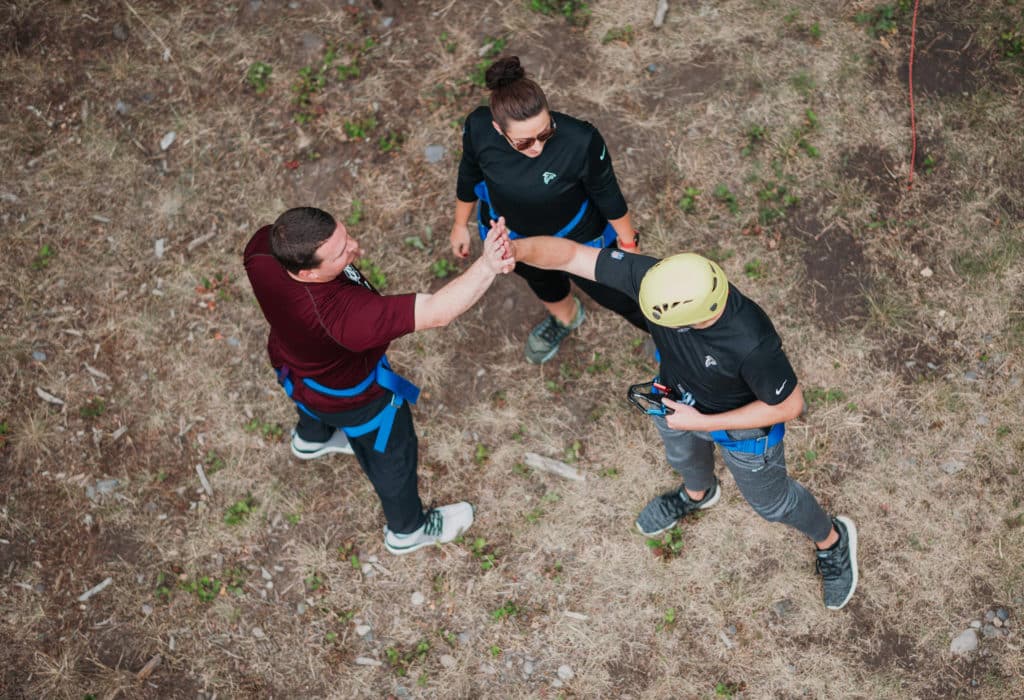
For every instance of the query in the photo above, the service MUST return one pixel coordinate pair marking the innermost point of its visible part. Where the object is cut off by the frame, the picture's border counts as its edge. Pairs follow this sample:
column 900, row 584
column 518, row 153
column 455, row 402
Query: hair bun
column 504, row 72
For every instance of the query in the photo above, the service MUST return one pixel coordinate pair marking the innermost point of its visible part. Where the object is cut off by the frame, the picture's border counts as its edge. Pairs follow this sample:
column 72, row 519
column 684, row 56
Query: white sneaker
column 303, row 449
column 443, row 525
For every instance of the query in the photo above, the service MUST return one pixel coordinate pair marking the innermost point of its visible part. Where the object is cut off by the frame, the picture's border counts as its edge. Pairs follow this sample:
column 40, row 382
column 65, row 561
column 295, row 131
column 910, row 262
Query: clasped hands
column 498, row 250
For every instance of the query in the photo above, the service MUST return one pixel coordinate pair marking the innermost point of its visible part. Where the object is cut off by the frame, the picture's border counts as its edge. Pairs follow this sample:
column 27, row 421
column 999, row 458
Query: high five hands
column 498, row 250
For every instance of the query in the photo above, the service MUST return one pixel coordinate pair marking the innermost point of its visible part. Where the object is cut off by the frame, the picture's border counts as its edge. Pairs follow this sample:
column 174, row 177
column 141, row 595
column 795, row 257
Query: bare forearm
column 446, row 304
column 623, row 229
column 756, row 414
column 550, row 253
column 463, row 210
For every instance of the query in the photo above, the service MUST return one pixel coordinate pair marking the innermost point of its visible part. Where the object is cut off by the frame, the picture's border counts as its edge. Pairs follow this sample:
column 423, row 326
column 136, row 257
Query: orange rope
column 910, row 85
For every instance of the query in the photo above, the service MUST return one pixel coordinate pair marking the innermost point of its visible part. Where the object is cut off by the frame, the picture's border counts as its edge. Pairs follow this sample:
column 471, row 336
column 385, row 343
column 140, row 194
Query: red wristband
column 632, row 244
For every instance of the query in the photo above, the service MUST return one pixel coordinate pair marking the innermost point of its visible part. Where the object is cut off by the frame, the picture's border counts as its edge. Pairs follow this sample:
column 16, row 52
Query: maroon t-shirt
column 334, row 332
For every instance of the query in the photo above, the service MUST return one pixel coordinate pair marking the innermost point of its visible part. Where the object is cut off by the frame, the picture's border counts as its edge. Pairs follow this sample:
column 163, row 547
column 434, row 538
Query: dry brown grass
column 182, row 373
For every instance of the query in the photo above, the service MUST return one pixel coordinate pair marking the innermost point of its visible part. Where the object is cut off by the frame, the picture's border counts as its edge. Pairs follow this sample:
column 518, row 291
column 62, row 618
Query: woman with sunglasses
column 548, row 174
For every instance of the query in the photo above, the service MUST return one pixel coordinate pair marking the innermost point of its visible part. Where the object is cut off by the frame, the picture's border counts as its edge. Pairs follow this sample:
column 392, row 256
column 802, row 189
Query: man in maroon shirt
column 329, row 330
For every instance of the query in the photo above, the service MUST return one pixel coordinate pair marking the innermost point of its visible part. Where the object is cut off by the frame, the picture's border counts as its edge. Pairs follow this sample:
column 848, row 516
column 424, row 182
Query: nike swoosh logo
column 604, row 150
column 779, row 390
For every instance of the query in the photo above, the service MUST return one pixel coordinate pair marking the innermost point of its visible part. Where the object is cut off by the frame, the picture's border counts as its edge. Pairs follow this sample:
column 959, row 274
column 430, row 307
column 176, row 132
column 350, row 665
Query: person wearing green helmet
column 724, row 379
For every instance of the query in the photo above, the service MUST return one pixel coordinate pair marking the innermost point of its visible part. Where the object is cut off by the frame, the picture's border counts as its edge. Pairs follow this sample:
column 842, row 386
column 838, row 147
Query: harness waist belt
column 755, row 446
column 605, row 239
column 401, row 389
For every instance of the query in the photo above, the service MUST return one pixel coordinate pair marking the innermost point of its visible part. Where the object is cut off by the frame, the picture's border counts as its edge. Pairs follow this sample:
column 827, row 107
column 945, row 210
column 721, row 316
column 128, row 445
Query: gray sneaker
column 838, row 566
column 665, row 510
column 547, row 336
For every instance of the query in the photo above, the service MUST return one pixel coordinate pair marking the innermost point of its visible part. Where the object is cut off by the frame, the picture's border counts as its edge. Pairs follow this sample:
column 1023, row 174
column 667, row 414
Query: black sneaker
column 665, row 510
column 838, row 566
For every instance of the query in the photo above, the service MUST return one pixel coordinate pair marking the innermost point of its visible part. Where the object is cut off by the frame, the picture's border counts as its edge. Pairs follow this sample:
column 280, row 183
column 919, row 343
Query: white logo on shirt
column 710, row 361
column 783, row 386
column 617, row 255
column 549, row 176
column 604, row 150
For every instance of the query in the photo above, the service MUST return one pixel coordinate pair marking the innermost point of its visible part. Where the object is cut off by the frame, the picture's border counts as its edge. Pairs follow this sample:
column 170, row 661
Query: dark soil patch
column 917, row 355
column 836, row 268
column 874, row 169
column 949, row 60
column 671, row 87
column 629, row 672
column 889, row 650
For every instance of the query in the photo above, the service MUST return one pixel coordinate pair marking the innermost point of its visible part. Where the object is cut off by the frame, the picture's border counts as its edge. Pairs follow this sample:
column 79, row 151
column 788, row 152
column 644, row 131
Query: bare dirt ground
column 771, row 135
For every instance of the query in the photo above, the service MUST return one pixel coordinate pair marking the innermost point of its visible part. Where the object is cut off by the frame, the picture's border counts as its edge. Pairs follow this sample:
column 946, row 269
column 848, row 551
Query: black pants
column 552, row 286
column 393, row 472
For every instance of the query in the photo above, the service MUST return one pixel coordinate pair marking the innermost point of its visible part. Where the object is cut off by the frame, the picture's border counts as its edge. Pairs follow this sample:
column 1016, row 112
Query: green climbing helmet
column 683, row 290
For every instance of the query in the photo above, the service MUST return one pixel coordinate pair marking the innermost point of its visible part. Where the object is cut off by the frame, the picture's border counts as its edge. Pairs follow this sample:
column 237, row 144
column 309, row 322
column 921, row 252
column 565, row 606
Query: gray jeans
column 762, row 479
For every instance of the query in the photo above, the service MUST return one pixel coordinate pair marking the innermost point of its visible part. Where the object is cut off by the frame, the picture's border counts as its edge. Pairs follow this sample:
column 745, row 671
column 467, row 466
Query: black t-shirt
column 539, row 196
column 737, row 360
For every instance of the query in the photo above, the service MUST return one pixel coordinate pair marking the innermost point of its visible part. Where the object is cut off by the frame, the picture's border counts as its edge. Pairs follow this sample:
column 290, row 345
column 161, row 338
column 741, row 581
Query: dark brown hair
column 297, row 234
column 514, row 97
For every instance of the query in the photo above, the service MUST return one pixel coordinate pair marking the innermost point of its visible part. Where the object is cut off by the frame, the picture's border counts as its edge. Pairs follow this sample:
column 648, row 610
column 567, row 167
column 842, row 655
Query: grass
column 82, row 203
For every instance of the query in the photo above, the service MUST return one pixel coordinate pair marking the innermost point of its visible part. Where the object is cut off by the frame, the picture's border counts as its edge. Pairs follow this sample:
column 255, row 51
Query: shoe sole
column 316, row 454
column 713, row 501
column 851, row 533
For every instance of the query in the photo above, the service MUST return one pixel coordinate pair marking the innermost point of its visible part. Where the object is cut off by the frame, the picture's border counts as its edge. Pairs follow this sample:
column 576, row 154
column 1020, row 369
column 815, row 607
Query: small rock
column 168, row 140
column 565, row 672
column 971, row 376
column 434, row 153
column 160, row 246
column 312, row 45
column 9, row 198
column 106, row 486
column 952, row 466
column 121, row 108
column 366, row 661
column 294, row 6
column 362, row 630
column 367, row 570
column 964, row 643
column 731, row 630
column 982, row 419
column 418, row 598
column 1003, row 614
column 557, row 683
column 300, row 609
column 989, row 632
column 975, row 624
column 120, row 32
column 265, row 574
column 464, row 638
column 39, row 356
column 990, row 615
column 387, row 22
column 782, row 608
column 401, row 692
column 147, row 610
column 997, row 622
column 926, row 272
column 258, row 632
column 448, row 661
column 528, row 668
column 652, row 68
column 791, row 668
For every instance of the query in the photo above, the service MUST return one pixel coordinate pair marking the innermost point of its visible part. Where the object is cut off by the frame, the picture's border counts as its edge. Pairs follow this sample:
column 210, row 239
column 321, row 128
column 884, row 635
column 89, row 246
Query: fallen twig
column 95, row 589
column 552, row 466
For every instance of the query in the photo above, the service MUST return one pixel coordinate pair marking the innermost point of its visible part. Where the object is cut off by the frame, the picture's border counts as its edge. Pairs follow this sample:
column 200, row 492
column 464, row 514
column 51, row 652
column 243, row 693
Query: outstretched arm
column 551, row 253
column 450, row 301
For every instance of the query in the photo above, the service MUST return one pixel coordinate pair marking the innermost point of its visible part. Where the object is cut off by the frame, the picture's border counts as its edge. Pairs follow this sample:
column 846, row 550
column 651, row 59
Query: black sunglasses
column 523, row 144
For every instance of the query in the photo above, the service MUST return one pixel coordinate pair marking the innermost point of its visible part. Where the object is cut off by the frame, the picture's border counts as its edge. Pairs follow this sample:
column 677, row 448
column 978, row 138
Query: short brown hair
column 296, row 235
column 514, row 97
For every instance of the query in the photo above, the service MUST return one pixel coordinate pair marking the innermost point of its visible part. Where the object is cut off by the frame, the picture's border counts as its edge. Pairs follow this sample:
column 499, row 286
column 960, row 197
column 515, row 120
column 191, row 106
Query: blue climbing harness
column 401, row 390
column 754, row 446
column 606, row 238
